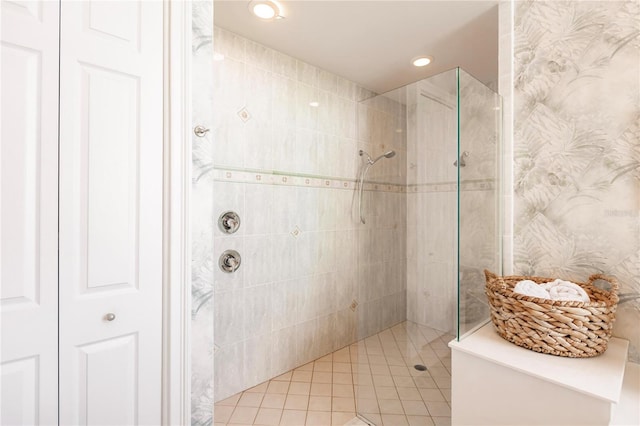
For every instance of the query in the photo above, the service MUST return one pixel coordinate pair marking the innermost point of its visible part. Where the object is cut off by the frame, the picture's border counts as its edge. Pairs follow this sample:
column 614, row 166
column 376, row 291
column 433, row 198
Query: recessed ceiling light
column 314, row 104
column 266, row 9
column 421, row 61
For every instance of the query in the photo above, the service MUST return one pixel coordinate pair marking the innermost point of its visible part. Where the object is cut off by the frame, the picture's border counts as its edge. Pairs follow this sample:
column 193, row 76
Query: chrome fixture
column 200, row 131
column 365, row 169
column 462, row 163
column 110, row 317
column 229, row 261
column 371, row 162
column 229, row 222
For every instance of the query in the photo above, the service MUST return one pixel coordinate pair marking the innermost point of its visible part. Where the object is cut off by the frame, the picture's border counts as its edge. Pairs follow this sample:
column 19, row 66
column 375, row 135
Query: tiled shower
column 313, row 279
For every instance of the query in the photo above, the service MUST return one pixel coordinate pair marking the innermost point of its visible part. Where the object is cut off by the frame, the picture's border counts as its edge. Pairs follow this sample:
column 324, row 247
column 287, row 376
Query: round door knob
column 110, row 317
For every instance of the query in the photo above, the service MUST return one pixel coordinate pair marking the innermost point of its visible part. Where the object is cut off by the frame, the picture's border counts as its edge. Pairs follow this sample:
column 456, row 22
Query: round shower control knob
column 229, row 222
column 229, row 261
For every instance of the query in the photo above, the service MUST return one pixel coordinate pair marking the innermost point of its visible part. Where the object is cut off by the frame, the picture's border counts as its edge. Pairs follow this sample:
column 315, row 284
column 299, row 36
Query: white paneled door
column 111, row 55
column 29, row 214
column 81, row 163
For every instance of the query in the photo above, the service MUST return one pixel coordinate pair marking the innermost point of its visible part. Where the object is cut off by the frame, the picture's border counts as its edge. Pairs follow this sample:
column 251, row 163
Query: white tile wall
column 305, row 257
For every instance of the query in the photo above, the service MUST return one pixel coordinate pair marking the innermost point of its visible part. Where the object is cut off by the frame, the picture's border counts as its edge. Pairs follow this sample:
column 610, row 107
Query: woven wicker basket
column 570, row 329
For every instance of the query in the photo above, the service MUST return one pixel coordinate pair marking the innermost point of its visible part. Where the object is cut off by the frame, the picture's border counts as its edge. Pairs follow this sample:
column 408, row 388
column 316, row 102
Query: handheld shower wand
column 371, row 162
column 365, row 169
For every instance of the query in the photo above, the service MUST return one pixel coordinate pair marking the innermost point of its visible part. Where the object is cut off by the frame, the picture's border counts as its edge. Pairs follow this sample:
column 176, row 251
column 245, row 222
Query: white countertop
column 599, row 376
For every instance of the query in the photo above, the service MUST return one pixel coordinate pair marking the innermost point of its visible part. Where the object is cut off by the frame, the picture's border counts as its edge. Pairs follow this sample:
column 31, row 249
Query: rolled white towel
column 531, row 288
column 566, row 290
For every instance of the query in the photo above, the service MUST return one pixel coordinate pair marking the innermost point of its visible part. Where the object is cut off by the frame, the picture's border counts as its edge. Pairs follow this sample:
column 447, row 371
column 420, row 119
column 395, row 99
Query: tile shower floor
column 378, row 371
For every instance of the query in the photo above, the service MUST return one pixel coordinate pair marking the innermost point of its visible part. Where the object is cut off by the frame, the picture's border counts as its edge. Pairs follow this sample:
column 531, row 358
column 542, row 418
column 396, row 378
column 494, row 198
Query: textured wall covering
column 577, row 147
column 201, row 218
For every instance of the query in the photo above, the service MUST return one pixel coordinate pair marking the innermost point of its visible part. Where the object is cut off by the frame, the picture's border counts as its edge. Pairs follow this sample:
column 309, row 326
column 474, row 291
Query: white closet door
column 29, row 214
column 110, row 212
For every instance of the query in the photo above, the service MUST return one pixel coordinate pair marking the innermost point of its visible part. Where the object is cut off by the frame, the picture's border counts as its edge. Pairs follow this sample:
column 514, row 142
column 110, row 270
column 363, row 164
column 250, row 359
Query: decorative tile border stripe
column 275, row 178
column 278, row 178
column 472, row 185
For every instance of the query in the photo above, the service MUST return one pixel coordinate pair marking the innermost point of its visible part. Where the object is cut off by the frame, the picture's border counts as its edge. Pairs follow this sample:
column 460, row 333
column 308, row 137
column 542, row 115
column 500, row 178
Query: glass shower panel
column 479, row 215
column 449, row 127
column 431, row 197
column 425, row 128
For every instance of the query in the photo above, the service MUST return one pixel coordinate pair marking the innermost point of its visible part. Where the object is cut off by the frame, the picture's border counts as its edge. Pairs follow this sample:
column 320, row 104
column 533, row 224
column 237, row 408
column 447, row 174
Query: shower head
column 371, row 162
column 387, row 154
column 363, row 174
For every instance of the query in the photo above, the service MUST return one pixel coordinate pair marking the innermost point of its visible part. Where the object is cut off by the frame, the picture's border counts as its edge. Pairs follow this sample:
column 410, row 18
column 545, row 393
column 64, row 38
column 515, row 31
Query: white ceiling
column 372, row 42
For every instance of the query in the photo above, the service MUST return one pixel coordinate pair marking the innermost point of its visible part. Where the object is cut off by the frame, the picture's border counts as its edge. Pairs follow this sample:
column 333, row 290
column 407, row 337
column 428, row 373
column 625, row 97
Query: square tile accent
column 386, row 392
column 343, row 378
column 320, row 389
column 278, row 387
column 415, row 408
column 395, row 420
column 318, row 418
column 244, row 115
column 268, row 416
column 342, row 367
column 299, row 388
column 345, row 391
column 293, row 417
column 390, row 406
column 250, row 399
column 326, row 367
column 341, row 418
column 320, row 403
column 301, row 376
column 274, row 400
column 410, row 394
column 322, row 377
column 343, row 404
column 438, row 409
column 296, row 402
column 420, row 421
column 432, row 395
column 244, row 415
